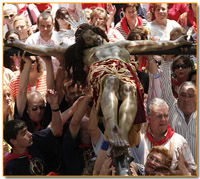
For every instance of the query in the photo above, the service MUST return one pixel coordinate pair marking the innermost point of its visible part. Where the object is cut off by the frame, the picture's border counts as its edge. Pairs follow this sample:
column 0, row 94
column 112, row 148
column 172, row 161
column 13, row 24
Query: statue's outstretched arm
column 41, row 50
column 137, row 47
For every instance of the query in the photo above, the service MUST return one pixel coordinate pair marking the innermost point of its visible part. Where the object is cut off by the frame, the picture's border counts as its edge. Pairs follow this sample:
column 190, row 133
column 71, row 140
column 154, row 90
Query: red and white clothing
column 176, row 116
column 171, row 141
column 7, row 76
column 40, row 84
column 114, row 35
column 34, row 12
column 123, row 28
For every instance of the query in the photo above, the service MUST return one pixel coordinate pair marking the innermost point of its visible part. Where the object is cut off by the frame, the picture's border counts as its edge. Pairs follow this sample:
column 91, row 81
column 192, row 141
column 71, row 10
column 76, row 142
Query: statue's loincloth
column 125, row 72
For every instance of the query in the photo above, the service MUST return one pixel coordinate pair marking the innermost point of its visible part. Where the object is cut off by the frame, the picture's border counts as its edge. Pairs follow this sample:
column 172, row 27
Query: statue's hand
column 12, row 43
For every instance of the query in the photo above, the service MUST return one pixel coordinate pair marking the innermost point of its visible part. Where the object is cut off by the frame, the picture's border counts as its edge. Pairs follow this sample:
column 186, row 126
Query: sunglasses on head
column 11, row 15
column 181, row 65
column 35, row 108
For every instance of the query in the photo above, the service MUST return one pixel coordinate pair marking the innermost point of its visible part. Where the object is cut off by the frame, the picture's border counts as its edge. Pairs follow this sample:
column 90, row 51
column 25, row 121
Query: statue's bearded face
column 92, row 39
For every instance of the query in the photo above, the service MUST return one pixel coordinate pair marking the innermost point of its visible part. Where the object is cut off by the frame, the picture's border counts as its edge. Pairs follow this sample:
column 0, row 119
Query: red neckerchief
column 124, row 26
column 170, row 133
column 82, row 146
column 175, row 82
column 36, row 125
column 12, row 156
column 52, row 173
column 191, row 19
column 22, row 9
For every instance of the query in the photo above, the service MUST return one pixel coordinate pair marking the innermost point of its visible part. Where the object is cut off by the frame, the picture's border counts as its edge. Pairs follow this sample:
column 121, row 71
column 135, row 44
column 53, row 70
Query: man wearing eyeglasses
column 159, row 132
column 33, row 154
column 182, row 111
column 31, row 107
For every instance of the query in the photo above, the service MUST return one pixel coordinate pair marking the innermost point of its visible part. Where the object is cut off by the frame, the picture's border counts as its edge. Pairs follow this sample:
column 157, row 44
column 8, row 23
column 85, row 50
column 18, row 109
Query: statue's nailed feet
column 115, row 138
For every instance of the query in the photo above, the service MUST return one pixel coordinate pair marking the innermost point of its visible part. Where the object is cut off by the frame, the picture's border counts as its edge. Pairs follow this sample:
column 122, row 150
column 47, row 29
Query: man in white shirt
column 159, row 132
column 46, row 35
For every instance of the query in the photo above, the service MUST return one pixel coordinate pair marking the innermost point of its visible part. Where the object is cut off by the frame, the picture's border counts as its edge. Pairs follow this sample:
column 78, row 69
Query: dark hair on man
column 74, row 54
column 44, row 15
column 12, row 128
column 130, row 5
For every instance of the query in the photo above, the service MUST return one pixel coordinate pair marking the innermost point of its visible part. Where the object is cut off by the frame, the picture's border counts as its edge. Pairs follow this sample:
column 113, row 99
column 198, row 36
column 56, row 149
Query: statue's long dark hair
column 74, row 55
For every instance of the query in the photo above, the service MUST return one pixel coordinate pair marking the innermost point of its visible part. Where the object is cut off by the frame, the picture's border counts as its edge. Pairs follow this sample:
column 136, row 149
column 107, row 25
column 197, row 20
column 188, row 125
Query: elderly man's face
column 36, row 107
column 159, row 119
column 84, row 133
column 187, row 99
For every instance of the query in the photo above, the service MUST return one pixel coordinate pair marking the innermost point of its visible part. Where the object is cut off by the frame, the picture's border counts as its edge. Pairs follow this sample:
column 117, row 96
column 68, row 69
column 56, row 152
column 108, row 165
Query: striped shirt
column 41, row 84
column 176, row 116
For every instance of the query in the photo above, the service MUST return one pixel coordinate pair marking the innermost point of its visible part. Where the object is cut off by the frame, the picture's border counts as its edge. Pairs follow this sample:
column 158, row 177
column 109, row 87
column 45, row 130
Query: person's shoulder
column 179, row 138
column 173, row 22
column 33, row 36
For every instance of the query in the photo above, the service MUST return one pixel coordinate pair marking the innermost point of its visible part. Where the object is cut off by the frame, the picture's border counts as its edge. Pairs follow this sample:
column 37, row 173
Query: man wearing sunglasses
column 33, row 154
column 31, row 107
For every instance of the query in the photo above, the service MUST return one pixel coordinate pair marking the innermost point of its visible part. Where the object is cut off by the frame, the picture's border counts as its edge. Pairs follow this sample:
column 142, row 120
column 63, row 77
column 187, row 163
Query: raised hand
column 52, row 98
column 111, row 9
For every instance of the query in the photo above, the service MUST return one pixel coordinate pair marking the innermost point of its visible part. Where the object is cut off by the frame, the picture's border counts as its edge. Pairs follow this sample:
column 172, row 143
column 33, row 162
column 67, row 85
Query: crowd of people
column 72, row 94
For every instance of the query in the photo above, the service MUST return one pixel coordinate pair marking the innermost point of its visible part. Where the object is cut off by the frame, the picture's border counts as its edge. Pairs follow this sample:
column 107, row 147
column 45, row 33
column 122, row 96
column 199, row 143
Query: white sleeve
column 97, row 147
column 138, row 152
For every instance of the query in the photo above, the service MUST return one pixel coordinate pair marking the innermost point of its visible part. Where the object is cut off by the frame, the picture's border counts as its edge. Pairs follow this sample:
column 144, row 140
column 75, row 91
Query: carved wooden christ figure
column 106, row 68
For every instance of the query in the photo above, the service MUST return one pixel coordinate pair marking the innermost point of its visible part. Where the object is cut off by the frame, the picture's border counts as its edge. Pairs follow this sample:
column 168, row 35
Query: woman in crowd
column 181, row 67
column 100, row 19
column 9, row 12
column 20, row 24
column 8, row 104
column 161, row 27
column 63, row 27
column 130, row 21
column 10, row 61
column 37, row 78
